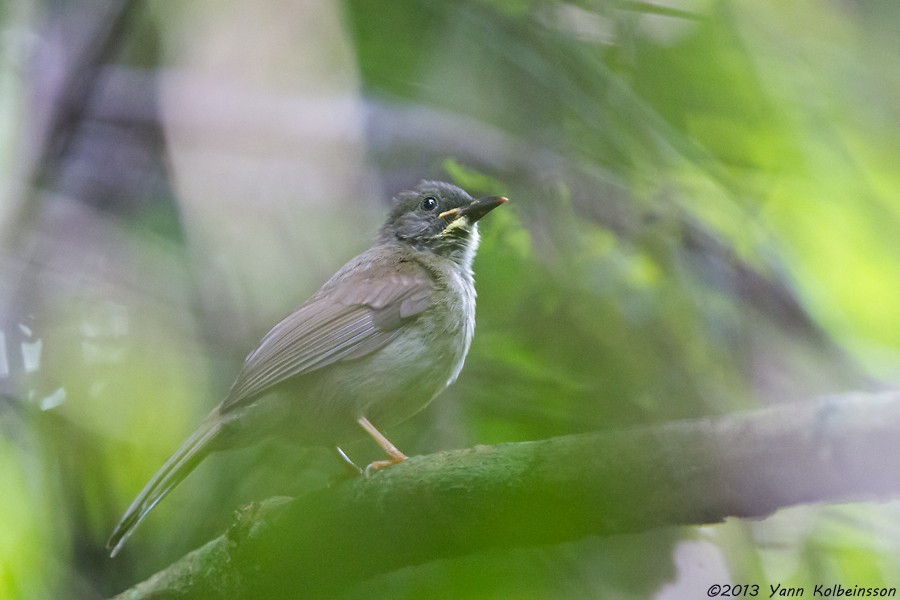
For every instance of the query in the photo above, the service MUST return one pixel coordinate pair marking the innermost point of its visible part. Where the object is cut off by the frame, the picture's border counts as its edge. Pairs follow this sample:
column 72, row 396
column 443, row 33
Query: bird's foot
column 395, row 458
column 394, row 455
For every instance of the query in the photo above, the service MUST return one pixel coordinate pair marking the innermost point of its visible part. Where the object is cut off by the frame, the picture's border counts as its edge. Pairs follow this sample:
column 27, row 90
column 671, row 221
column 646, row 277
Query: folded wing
column 354, row 318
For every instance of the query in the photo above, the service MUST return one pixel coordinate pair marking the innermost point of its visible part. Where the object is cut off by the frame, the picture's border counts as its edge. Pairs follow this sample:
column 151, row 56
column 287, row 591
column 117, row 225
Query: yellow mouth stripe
column 447, row 213
column 458, row 223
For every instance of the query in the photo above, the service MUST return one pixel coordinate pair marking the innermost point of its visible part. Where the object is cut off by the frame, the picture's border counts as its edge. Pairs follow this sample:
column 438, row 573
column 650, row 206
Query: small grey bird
column 384, row 336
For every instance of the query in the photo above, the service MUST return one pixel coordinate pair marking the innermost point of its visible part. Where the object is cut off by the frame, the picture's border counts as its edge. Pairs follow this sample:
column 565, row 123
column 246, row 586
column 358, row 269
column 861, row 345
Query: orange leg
column 394, row 455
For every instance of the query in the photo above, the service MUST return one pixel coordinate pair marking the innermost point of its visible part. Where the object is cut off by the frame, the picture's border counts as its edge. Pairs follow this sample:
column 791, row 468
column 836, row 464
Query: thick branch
column 459, row 502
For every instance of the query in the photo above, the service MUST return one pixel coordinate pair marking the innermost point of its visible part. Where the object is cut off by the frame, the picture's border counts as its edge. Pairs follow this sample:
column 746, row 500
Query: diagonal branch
column 459, row 502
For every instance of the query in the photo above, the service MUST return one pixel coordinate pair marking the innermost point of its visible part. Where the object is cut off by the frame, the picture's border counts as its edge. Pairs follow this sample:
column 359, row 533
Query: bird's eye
column 429, row 203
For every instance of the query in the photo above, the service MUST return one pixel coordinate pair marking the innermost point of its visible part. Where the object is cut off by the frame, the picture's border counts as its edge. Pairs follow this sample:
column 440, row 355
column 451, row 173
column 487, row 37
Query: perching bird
column 384, row 336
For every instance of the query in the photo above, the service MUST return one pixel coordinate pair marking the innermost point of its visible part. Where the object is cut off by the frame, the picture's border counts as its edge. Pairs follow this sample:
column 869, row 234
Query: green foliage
column 703, row 218
column 476, row 182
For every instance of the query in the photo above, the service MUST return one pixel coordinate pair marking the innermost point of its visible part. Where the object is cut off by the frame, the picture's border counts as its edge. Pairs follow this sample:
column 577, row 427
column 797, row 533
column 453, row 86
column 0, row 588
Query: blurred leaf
column 474, row 181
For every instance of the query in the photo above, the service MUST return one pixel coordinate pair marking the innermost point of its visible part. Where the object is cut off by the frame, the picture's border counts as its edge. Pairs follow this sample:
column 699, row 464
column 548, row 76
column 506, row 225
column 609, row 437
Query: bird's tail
column 176, row 468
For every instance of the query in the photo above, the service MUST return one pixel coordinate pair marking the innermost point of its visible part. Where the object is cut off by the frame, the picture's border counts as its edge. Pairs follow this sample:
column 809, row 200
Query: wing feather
column 353, row 317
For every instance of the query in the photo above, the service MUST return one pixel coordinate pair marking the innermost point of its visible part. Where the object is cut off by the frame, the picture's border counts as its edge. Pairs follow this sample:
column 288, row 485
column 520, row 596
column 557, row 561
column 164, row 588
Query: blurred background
column 704, row 217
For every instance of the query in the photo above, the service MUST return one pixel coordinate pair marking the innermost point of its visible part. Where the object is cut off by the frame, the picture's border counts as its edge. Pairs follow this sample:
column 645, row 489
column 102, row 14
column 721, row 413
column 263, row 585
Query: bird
column 375, row 344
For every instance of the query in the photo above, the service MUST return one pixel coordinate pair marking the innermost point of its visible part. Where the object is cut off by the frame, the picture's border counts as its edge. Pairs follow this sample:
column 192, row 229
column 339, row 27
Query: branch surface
column 459, row 502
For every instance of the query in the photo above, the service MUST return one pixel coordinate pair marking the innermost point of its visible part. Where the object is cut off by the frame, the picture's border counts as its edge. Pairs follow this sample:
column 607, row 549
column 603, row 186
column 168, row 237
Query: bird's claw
column 383, row 464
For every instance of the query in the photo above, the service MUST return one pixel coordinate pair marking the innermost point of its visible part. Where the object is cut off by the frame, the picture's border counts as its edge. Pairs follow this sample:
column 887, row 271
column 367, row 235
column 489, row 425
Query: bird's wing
column 356, row 316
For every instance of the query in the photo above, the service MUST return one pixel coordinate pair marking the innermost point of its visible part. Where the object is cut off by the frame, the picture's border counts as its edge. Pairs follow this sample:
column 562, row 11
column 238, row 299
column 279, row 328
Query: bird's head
column 440, row 218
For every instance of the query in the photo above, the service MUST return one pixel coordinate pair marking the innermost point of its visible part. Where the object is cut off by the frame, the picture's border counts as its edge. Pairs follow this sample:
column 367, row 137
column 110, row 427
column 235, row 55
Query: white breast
column 464, row 281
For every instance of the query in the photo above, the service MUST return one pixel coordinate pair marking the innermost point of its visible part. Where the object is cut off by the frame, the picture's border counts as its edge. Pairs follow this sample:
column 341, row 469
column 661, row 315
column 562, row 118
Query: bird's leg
column 394, row 455
column 352, row 466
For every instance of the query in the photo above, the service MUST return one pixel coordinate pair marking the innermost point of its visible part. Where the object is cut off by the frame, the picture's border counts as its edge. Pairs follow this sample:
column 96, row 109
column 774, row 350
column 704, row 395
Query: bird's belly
column 401, row 379
column 387, row 386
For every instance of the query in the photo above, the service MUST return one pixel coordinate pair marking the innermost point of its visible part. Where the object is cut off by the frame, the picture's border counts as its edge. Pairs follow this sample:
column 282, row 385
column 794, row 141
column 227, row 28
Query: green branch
column 459, row 502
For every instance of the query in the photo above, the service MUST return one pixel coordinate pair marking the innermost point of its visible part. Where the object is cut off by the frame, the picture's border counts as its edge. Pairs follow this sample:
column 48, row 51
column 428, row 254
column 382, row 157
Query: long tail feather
column 176, row 468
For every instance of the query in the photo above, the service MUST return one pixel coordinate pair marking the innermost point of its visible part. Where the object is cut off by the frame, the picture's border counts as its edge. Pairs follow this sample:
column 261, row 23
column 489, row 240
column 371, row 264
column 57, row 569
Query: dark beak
column 481, row 207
